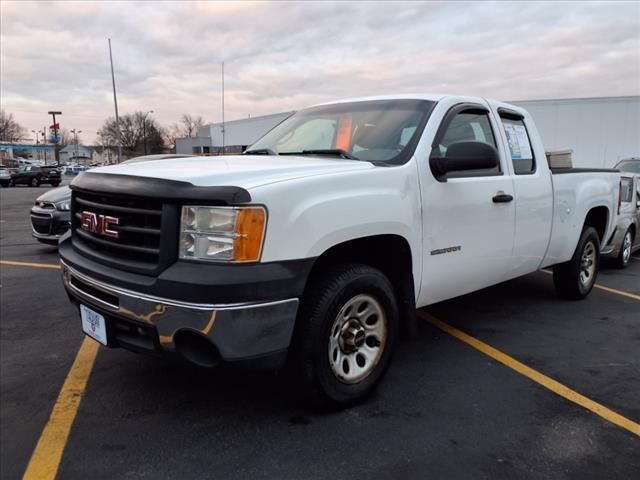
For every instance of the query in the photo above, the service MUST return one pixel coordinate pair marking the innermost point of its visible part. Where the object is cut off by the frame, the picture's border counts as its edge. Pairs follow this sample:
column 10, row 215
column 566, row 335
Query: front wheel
column 575, row 279
column 624, row 256
column 345, row 336
column 34, row 182
column 55, row 184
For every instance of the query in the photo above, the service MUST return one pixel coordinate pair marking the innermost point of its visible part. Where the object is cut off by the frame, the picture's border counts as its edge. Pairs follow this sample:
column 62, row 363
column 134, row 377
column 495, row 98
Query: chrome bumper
column 238, row 331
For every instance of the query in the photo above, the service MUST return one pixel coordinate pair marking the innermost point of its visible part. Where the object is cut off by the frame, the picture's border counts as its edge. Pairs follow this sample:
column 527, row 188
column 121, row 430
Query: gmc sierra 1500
column 317, row 243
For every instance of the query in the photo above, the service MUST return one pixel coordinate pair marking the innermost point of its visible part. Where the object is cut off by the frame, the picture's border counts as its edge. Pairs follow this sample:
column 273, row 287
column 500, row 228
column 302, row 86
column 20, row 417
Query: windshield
column 631, row 166
column 377, row 131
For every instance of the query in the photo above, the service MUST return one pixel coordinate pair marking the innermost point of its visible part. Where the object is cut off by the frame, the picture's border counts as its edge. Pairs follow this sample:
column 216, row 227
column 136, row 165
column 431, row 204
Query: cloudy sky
column 284, row 56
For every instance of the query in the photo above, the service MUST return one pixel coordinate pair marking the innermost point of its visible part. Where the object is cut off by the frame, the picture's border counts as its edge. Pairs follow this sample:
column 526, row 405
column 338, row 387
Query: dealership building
column 600, row 131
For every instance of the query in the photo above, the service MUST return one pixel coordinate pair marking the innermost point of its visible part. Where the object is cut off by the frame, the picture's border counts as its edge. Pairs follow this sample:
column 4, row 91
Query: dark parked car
column 50, row 216
column 36, row 176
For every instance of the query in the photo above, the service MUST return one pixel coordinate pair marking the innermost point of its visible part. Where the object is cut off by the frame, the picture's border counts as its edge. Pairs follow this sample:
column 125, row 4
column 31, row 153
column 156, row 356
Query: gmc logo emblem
column 99, row 224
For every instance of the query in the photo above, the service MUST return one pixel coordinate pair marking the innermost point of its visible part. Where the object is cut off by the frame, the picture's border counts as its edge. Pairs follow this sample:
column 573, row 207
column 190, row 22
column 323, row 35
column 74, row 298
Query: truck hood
column 246, row 171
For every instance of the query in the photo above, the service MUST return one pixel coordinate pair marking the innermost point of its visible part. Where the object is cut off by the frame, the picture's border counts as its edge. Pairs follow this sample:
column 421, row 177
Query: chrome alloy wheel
column 588, row 264
column 357, row 340
column 626, row 248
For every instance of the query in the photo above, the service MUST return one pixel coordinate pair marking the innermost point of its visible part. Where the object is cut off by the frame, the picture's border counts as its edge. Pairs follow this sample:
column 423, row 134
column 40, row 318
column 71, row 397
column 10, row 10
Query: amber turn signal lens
column 250, row 224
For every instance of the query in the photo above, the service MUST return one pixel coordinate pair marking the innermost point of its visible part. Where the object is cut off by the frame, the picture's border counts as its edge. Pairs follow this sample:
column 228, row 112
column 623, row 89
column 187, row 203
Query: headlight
column 64, row 206
column 226, row 234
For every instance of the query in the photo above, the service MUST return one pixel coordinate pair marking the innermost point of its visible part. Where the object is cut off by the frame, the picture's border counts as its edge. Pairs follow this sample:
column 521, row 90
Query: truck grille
column 140, row 223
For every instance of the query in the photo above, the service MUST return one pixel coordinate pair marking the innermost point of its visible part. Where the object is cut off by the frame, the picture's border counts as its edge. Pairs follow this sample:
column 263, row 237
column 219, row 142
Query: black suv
column 36, row 176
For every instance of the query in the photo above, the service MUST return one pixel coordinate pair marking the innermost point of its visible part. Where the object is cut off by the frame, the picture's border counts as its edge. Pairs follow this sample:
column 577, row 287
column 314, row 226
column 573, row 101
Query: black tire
column 34, row 182
column 567, row 277
column 624, row 257
column 324, row 299
column 12, row 183
column 55, row 184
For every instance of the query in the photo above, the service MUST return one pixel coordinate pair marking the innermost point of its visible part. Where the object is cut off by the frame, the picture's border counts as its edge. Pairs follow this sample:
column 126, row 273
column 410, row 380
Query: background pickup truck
column 318, row 243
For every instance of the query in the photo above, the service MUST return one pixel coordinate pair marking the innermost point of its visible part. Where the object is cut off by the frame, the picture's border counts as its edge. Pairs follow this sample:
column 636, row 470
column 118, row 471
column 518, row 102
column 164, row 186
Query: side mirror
column 464, row 156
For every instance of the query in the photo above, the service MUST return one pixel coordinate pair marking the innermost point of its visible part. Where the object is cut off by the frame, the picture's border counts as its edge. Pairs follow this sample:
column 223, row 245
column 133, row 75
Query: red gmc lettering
column 99, row 224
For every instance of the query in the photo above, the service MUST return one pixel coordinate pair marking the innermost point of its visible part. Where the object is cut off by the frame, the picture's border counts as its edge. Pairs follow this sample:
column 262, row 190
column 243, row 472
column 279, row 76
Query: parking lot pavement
column 445, row 409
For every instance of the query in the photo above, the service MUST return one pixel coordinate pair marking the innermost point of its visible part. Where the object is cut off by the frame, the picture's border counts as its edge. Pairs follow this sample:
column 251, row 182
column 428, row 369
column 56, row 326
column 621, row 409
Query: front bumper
column 48, row 225
column 150, row 324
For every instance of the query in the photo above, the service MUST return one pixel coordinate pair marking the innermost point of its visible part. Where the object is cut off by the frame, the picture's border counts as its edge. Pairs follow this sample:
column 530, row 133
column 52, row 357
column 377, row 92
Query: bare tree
column 170, row 136
column 67, row 138
column 137, row 131
column 189, row 125
column 10, row 130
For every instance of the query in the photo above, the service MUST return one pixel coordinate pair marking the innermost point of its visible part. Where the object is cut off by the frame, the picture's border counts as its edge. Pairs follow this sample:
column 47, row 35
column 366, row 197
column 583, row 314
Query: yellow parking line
column 27, row 264
column 536, row 376
column 46, row 457
column 606, row 289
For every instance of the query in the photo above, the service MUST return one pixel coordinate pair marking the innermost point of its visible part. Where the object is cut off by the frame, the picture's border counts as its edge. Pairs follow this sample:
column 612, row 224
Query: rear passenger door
column 467, row 226
column 533, row 191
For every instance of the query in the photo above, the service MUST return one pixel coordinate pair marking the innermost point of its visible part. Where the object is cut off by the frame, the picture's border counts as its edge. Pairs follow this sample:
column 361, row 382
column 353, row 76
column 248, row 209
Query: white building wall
column 245, row 131
column 600, row 131
column 70, row 152
column 237, row 132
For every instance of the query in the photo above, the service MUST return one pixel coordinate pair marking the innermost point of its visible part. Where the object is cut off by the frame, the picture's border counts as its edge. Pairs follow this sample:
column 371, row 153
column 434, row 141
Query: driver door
column 468, row 219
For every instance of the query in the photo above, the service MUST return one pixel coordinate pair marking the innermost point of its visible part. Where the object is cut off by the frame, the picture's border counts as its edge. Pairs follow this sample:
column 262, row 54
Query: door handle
column 502, row 197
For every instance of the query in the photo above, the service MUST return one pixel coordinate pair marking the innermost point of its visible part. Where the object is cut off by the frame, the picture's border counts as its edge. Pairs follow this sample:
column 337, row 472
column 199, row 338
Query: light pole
column 75, row 139
column 44, row 142
column 144, row 130
column 56, row 138
column 37, row 142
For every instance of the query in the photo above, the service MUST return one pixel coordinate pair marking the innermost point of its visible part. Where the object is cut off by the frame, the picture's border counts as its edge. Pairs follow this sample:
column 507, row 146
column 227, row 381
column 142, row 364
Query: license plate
column 93, row 324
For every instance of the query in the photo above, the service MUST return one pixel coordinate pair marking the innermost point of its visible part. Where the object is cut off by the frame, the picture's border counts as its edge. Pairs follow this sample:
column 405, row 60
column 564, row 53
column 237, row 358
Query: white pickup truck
column 313, row 247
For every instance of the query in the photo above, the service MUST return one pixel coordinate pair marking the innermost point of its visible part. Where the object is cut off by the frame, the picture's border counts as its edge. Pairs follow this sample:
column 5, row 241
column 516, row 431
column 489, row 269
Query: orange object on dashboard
column 343, row 137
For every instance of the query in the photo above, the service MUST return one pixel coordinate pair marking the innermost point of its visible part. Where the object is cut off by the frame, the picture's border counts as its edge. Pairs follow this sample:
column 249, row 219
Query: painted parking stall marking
column 45, row 460
column 541, row 379
column 53, row 266
column 622, row 293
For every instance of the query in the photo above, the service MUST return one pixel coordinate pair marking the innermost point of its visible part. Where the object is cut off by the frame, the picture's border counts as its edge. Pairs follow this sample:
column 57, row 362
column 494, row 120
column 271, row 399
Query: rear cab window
column 520, row 149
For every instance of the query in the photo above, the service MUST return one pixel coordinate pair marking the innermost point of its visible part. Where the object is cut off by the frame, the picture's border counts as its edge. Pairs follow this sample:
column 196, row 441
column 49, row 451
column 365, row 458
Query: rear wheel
column 345, row 336
column 625, row 250
column 34, row 182
column 575, row 279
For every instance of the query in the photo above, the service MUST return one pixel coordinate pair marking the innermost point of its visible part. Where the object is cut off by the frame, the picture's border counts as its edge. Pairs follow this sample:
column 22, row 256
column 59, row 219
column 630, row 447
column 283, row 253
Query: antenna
column 115, row 103
column 223, row 139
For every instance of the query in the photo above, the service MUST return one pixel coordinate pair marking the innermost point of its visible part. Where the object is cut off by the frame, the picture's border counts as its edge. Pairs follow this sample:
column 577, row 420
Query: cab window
column 469, row 126
column 519, row 142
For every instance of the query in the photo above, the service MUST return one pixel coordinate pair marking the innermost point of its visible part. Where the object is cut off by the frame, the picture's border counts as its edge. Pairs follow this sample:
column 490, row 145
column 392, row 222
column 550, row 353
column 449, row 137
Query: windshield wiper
column 329, row 151
column 260, row 151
